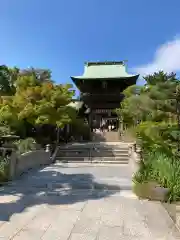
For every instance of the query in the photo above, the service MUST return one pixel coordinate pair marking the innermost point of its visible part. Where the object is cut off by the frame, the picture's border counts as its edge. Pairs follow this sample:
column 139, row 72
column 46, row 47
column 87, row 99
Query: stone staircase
column 99, row 152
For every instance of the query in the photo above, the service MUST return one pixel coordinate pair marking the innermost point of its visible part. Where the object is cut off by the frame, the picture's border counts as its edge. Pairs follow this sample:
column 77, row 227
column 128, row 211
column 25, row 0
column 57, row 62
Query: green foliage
column 156, row 101
column 7, row 78
column 129, row 134
column 143, row 175
column 30, row 96
column 25, row 145
column 80, row 128
column 154, row 107
column 162, row 169
column 4, row 130
column 44, row 104
column 4, row 169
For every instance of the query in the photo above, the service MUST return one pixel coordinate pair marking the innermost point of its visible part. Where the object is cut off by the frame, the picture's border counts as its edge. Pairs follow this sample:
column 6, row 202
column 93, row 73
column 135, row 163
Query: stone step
column 108, row 147
column 119, row 160
column 89, row 144
column 110, row 157
column 93, row 154
column 110, row 151
column 95, row 148
column 94, row 157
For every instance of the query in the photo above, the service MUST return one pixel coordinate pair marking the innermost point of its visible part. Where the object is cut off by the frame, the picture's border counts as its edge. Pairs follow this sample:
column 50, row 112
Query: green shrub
column 166, row 171
column 144, row 173
column 160, row 136
column 129, row 134
column 25, row 145
column 162, row 169
column 4, row 169
column 4, row 130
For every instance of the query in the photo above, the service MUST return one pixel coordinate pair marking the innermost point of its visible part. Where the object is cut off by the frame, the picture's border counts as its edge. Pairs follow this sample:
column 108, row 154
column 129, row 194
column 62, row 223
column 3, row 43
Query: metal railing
column 90, row 154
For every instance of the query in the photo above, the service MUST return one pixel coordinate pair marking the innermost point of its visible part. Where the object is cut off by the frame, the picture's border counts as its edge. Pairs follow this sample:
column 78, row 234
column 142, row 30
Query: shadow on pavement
column 48, row 186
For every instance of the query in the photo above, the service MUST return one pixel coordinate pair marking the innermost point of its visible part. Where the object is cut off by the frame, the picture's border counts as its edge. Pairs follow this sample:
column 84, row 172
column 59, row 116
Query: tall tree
column 29, row 98
column 8, row 77
column 156, row 108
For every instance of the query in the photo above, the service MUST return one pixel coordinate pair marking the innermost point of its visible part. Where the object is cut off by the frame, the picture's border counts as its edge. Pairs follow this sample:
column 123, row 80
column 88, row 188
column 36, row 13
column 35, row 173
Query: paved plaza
column 80, row 202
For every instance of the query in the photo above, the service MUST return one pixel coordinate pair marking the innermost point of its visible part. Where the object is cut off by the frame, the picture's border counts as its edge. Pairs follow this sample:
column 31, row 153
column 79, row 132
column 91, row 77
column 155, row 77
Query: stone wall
column 29, row 160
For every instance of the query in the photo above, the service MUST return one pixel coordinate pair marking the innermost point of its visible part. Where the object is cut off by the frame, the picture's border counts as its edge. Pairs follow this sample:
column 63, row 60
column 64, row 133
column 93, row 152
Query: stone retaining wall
column 26, row 161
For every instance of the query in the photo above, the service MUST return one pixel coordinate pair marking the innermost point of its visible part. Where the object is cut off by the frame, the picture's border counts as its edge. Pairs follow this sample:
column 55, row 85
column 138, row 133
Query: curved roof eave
column 107, row 78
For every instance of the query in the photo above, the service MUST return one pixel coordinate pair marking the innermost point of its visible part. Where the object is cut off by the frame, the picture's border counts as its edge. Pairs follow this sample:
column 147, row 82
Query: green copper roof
column 99, row 70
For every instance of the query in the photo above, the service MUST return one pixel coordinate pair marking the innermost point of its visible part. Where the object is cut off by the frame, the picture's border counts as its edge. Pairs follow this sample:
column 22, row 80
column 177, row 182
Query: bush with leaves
column 157, row 136
column 5, row 130
column 30, row 99
column 162, row 169
column 154, row 102
column 152, row 110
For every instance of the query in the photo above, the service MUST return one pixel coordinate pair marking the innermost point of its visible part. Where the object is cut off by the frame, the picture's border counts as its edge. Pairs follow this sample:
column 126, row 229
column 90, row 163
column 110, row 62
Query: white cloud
column 166, row 58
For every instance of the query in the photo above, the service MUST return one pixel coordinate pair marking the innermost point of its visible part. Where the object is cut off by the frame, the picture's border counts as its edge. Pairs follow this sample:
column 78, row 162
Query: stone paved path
column 80, row 202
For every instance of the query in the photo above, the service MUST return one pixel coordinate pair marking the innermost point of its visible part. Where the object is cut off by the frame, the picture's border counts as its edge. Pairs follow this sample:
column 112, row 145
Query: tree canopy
column 31, row 96
column 152, row 108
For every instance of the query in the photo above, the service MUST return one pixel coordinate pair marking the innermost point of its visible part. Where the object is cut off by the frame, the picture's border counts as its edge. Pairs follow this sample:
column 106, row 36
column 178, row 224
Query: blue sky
column 63, row 34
